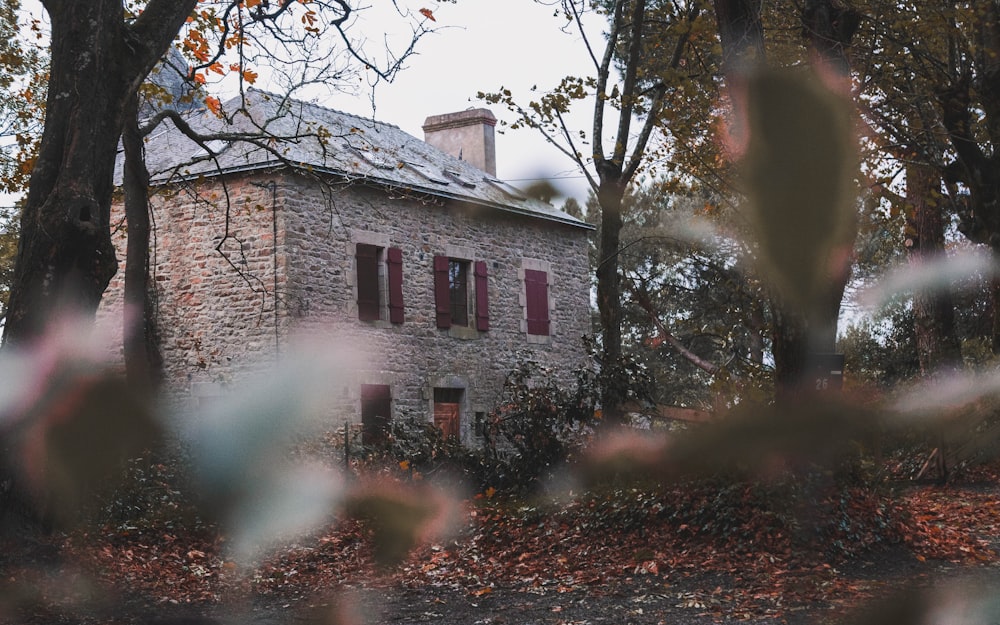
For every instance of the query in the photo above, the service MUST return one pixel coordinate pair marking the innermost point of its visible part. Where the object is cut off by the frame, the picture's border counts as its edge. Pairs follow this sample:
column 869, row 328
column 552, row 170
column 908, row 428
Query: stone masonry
column 228, row 305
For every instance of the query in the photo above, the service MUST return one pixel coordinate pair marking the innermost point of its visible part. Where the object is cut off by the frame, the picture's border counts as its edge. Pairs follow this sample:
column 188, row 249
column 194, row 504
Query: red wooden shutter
column 395, row 262
column 482, row 297
column 367, row 261
column 536, row 291
column 442, row 294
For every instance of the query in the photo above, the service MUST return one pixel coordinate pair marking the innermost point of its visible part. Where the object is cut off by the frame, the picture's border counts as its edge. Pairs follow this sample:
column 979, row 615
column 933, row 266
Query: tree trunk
column 790, row 348
column 979, row 220
column 140, row 349
column 938, row 347
column 828, row 28
column 609, row 304
column 995, row 309
column 65, row 257
column 758, row 330
column 793, row 338
column 741, row 35
column 976, row 168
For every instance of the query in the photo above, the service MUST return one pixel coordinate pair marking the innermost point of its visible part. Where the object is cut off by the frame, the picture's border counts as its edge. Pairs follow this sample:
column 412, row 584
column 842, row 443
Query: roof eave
column 380, row 182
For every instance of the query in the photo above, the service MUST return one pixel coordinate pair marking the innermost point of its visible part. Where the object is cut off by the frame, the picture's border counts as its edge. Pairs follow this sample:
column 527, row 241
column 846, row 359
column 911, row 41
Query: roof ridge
column 279, row 97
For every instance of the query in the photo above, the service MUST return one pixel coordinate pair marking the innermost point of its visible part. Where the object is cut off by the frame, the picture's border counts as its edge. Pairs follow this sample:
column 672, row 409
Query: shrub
column 421, row 448
column 539, row 424
column 155, row 493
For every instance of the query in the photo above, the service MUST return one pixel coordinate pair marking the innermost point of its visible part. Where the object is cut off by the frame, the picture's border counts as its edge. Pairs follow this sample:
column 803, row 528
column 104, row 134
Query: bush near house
column 540, row 425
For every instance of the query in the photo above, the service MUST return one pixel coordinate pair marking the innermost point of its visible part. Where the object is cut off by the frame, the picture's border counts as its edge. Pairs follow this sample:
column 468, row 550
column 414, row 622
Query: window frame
column 368, row 280
column 459, row 292
column 386, row 268
column 475, row 293
column 536, row 300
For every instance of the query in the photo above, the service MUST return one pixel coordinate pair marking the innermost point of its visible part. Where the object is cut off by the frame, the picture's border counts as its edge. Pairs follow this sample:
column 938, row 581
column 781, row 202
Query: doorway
column 448, row 411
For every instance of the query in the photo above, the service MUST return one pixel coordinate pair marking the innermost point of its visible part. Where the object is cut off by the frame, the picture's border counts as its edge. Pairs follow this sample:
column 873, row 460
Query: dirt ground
column 166, row 580
column 888, row 577
column 686, row 601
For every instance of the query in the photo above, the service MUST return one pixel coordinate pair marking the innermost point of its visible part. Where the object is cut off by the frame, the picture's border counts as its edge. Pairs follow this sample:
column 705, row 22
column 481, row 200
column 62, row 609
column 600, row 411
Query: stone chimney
column 467, row 135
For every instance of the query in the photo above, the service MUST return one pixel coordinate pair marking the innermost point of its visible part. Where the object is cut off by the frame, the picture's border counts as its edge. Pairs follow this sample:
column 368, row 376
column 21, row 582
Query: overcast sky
column 483, row 45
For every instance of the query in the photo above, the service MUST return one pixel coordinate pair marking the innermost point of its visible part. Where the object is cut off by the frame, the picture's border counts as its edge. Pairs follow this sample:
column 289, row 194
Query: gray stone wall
column 214, row 270
column 222, row 316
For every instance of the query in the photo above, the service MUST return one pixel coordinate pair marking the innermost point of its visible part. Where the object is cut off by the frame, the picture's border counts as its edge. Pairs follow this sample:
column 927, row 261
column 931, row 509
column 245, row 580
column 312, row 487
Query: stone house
column 413, row 250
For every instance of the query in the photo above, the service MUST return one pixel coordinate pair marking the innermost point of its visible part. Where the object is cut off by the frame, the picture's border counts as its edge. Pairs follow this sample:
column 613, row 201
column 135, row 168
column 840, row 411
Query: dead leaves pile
column 955, row 525
column 181, row 567
column 555, row 550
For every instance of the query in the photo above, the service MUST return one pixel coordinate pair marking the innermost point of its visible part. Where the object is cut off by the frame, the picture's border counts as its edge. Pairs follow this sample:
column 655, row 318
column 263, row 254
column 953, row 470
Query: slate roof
column 317, row 139
column 170, row 75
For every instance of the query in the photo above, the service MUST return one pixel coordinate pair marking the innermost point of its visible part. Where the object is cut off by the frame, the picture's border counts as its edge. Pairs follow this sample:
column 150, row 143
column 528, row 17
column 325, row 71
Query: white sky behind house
column 483, row 45
column 479, row 45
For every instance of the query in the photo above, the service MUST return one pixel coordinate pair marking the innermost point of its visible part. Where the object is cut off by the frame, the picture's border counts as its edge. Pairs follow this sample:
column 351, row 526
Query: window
column 448, row 410
column 379, row 282
column 536, row 295
column 369, row 304
column 376, row 412
column 458, row 289
column 537, row 303
column 459, row 302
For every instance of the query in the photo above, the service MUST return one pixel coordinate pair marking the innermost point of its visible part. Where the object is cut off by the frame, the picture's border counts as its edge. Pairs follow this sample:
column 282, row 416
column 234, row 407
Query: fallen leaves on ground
column 557, row 549
column 956, row 525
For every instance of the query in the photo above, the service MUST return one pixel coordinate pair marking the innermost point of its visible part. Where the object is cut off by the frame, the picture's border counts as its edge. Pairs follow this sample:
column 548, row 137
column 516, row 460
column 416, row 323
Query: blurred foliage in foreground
column 810, row 477
column 811, row 468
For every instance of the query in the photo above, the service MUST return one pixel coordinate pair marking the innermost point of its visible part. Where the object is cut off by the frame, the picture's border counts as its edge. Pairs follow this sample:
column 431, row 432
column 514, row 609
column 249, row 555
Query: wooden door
column 447, row 411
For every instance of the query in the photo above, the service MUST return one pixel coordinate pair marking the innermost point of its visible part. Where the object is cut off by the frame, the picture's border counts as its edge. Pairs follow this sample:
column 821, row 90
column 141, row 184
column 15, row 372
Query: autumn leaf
column 213, row 105
column 428, row 14
column 217, row 68
column 250, row 76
